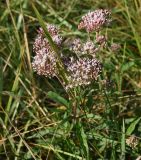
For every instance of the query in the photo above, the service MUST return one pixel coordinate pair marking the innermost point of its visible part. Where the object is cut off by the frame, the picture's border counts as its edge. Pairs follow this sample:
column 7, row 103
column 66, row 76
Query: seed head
column 115, row 47
column 132, row 141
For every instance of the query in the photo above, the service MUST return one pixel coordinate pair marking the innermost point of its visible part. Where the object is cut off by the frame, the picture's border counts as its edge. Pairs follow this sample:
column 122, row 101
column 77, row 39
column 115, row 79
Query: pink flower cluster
column 81, row 64
column 94, row 20
column 44, row 62
column 89, row 47
column 82, row 71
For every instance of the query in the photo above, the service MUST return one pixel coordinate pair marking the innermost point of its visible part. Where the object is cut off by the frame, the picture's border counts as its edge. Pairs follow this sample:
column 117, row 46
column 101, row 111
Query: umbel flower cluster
column 81, row 66
column 94, row 20
column 44, row 63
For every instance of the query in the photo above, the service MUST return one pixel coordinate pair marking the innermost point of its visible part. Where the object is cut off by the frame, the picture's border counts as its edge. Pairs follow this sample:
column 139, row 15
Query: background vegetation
column 36, row 120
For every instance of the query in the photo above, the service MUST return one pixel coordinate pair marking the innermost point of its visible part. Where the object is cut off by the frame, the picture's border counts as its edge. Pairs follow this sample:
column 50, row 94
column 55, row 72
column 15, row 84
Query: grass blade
column 132, row 126
column 57, row 98
column 123, row 141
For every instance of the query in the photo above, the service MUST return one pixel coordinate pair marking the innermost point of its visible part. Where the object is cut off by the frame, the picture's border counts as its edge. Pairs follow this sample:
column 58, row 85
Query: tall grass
column 36, row 120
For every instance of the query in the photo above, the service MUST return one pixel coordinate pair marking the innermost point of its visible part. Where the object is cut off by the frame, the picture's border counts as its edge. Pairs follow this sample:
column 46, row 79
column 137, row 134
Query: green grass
column 36, row 114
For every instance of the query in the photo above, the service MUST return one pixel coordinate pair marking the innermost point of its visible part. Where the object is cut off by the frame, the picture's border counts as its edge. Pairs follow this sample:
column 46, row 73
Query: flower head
column 76, row 46
column 80, row 48
column 82, row 71
column 89, row 48
column 44, row 62
column 54, row 32
column 94, row 20
column 101, row 39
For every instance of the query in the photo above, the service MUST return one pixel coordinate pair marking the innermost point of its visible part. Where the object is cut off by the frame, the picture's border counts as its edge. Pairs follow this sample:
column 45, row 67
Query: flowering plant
column 79, row 68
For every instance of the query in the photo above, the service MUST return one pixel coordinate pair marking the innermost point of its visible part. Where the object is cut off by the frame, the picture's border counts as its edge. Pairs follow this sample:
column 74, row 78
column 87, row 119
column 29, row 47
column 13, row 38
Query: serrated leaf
column 57, row 98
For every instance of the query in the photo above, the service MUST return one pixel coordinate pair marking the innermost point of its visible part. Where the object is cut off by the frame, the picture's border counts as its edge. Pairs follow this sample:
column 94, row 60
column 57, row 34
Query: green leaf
column 109, row 65
column 132, row 126
column 123, row 148
column 57, row 98
column 126, row 66
column 83, row 140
